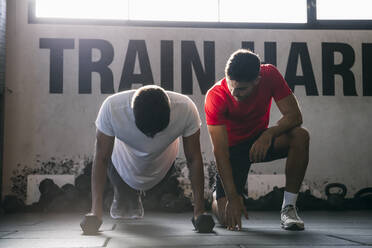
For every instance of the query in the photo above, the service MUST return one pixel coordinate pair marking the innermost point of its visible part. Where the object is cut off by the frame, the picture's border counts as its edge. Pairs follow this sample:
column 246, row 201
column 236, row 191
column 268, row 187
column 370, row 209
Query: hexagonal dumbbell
column 204, row 223
column 90, row 224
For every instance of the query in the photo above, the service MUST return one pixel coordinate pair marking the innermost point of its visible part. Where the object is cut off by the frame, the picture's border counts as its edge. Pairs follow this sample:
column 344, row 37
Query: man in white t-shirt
column 137, row 141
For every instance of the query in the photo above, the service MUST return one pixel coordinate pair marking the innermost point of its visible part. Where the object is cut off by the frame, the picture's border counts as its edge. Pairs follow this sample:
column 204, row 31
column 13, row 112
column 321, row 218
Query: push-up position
column 137, row 144
column 237, row 112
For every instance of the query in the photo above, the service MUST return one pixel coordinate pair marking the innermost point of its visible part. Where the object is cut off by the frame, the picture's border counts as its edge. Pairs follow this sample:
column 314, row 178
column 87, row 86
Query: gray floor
column 323, row 229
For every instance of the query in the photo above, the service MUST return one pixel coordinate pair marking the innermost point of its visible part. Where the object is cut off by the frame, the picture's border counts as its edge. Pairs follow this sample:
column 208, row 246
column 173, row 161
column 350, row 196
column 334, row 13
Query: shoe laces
column 290, row 211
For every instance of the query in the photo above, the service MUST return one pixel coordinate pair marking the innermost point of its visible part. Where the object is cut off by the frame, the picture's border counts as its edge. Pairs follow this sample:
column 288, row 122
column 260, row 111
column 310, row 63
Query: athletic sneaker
column 130, row 208
column 290, row 219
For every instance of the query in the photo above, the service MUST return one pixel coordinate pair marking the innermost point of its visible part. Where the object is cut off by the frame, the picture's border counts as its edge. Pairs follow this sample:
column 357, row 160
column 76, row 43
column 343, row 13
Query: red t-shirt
column 245, row 119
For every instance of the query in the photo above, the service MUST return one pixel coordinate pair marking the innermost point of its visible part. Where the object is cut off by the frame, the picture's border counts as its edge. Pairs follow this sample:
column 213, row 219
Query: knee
column 300, row 136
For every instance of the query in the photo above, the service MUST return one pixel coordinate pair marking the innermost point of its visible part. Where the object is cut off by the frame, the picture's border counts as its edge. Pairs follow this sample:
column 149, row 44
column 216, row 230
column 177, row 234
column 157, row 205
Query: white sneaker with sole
column 127, row 208
column 290, row 219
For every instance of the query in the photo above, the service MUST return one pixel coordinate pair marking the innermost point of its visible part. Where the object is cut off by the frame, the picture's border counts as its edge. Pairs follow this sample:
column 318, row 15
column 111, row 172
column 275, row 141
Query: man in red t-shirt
column 237, row 112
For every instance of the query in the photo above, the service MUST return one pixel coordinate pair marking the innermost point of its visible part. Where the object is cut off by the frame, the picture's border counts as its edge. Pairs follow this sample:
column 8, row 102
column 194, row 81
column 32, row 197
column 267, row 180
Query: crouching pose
column 237, row 113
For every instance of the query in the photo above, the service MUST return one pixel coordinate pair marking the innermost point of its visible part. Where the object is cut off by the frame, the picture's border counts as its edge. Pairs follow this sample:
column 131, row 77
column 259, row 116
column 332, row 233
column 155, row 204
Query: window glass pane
column 89, row 9
column 275, row 11
column 344, row 9
column 174, row 10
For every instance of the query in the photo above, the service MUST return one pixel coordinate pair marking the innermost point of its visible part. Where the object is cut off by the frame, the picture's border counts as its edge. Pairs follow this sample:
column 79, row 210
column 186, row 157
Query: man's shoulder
column 217, row 90
column 120, row 99
column 181, row 103
column 219, row 85
column 178, row 98
column 127, row 94
column 266, row 67
column 266, row 70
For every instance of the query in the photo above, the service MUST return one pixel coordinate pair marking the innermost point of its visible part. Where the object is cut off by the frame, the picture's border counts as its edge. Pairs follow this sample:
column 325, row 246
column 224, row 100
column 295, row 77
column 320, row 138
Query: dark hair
column 151, row 108
column 243, row 66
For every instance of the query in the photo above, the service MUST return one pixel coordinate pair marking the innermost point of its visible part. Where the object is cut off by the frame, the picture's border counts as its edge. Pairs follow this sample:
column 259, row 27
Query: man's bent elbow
column 298, row 120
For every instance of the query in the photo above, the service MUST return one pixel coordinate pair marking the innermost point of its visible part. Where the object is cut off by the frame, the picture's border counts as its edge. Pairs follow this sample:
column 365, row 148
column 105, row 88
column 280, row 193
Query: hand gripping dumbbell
column 90, row 224
column 203, row 224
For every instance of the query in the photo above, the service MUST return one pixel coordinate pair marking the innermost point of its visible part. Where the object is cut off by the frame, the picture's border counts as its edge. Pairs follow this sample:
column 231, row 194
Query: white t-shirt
column 142, row 162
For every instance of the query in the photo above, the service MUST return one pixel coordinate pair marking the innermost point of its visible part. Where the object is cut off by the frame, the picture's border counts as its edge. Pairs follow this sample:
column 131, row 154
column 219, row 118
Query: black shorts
column 240, row 164
column 123, row 190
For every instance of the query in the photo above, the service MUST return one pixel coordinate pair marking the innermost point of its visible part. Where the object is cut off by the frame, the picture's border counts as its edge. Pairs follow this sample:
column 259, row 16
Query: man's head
column 151, row 108
column 242, row 73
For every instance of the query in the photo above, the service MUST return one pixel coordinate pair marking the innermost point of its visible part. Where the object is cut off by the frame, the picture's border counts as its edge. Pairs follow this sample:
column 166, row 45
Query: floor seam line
column 350, row 240
column 10, row 233
column 106, row 242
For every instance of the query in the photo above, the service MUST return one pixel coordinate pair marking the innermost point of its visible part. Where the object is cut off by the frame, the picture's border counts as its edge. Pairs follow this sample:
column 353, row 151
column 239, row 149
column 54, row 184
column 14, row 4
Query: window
column 82, row 9
column 344, row 9
column 256, row 14
column 268, row 11
column 174, row 10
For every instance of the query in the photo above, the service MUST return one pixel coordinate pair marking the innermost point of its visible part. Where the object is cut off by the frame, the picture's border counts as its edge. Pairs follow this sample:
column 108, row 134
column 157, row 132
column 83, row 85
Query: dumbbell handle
column 90, row 224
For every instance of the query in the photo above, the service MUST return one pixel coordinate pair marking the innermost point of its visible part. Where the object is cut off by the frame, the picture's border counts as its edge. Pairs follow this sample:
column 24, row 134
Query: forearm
column 98, row 184
column 220, row 143
column 286, row 123
column 197, row 184
column 225, row 173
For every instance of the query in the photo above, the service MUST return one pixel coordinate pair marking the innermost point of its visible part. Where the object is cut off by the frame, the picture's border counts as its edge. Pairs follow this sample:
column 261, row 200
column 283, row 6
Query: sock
column 289, row 199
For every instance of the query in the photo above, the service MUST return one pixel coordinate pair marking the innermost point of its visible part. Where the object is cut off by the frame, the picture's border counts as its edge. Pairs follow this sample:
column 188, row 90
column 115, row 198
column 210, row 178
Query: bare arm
column 102, row 156
column 234, row 206
column 191, row 146
column 220, row 143
column 291, row 118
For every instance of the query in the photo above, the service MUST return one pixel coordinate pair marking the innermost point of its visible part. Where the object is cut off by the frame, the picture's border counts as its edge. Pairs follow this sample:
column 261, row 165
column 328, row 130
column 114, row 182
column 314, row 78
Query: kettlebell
column 336, row 201
column 363, row 198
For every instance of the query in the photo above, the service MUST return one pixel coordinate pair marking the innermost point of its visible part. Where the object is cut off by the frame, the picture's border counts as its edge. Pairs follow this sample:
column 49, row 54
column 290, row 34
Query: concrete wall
column 2, row 79
column 2, row 44
column 50, row 107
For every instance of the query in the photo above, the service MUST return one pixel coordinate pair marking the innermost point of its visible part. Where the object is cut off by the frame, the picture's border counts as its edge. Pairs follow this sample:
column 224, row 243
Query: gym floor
column 323, row 229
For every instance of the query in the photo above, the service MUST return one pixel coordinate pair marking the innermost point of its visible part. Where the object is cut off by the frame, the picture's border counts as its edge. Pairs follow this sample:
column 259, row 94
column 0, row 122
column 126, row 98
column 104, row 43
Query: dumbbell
column 90, row 224
column 203, row 224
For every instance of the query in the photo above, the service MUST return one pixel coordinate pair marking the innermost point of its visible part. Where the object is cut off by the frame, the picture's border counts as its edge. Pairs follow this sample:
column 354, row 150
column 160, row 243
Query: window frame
column 312, row 22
